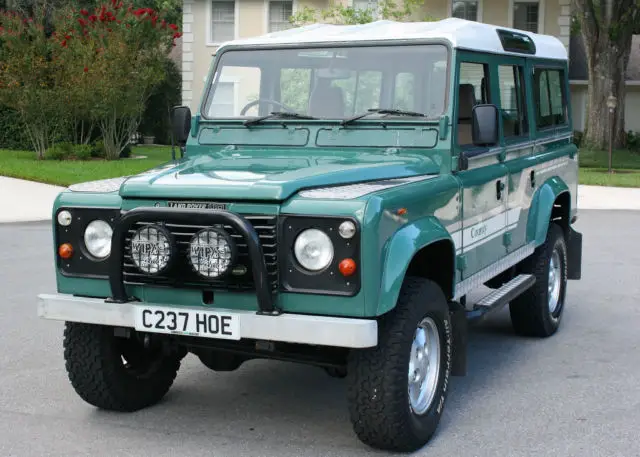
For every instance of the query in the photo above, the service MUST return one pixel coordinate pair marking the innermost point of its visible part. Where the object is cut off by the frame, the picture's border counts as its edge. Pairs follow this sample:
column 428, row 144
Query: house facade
column 208, row 23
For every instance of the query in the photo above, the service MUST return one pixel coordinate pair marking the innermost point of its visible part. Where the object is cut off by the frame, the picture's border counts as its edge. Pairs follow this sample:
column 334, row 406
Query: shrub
column 156, row 119
column 12, row 131
column 59, row 151
column 633, row 141
column 82, row 151
column 97, row 150
column 113, row 58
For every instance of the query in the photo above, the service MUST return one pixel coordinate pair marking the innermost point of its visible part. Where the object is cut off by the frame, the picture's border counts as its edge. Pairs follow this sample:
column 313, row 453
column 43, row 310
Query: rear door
column 518, row 147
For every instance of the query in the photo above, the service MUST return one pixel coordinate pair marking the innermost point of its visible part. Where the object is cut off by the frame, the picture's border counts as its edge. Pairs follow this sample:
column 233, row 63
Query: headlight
column 211, row 252
column 97, row 239
column 151, row 249
column 313, row 249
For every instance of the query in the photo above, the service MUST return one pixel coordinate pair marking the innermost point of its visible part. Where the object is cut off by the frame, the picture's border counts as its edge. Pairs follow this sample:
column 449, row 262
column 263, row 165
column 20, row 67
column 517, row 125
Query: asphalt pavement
column 575, row 394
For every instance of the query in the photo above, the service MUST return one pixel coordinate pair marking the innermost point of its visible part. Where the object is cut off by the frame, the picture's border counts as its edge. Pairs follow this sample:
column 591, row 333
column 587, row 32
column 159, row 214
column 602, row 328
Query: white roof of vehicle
column 460, row 33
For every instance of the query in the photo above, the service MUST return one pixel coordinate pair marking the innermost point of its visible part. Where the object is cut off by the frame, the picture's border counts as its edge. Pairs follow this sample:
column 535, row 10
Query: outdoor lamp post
column 612, row 102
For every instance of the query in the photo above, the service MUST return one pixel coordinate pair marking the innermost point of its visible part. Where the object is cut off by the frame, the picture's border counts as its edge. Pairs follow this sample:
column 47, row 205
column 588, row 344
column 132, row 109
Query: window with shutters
column 526, row 16
column 367, row 5
column 279, row 14
column 223, row 21
column 465, row 10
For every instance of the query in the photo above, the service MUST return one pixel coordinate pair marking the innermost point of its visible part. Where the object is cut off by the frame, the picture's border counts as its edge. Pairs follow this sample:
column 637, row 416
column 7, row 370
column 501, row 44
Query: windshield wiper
column 277, row 114
column 397, row 112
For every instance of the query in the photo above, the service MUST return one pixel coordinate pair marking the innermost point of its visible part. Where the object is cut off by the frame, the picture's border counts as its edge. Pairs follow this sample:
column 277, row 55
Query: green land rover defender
column 338, row 199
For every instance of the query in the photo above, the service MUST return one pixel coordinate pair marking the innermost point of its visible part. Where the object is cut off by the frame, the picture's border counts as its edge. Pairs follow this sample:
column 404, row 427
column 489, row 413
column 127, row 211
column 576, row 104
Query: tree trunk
column 606, row 77
column 607, row 28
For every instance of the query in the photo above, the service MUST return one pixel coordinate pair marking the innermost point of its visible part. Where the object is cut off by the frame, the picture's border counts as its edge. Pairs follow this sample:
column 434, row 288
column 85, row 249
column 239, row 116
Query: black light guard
column 187, row 216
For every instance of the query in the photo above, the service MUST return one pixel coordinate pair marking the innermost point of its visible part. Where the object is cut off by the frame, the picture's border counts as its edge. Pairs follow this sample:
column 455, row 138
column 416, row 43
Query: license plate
column 189, row 322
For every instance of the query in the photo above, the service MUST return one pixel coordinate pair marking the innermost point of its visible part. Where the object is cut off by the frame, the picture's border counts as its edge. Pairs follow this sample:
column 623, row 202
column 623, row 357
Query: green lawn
column 594, row 167
column 601, row 177
column 621, row 159
column 21, row 164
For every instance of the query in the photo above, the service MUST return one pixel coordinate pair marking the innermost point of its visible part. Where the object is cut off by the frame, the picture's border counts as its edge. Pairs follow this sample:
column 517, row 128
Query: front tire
column 538, row 311
column 397, row 390
column 118, row 374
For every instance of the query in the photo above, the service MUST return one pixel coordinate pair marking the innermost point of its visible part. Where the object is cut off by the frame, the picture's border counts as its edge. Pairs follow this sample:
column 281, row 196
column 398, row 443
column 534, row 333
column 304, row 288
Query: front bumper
column 289, row 328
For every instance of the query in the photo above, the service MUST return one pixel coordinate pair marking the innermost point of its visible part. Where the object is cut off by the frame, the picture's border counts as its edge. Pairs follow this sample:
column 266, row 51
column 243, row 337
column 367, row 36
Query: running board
column 500, row 297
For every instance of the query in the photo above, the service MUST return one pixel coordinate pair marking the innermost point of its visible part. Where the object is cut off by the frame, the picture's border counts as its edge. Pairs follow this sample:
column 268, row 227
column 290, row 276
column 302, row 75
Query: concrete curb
column 28, row 201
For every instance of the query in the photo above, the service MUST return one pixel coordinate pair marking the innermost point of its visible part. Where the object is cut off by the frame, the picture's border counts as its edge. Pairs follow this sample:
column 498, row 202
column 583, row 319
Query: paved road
column 576, row 394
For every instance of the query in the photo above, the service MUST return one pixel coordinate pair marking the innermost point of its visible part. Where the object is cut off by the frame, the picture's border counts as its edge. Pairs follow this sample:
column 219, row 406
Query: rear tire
column 538, row 311
column 113, row 373
column 384, row 382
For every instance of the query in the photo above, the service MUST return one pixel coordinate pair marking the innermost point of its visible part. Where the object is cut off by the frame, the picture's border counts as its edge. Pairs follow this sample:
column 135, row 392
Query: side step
column 500, row 297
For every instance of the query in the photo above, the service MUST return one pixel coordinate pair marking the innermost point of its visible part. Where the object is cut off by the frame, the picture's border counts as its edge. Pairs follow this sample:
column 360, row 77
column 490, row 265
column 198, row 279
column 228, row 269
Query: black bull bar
column 189, row 216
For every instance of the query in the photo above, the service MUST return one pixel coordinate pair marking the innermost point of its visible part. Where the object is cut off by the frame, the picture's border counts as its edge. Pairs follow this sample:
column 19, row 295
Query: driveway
column 575, row 394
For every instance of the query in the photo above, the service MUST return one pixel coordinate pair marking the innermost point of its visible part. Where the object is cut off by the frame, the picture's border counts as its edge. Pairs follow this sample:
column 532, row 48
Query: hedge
column 12, row 135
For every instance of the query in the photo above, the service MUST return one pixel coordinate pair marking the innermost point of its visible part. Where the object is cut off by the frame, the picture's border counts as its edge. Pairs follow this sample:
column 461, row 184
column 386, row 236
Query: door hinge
column 461, row 262
column 506, row 239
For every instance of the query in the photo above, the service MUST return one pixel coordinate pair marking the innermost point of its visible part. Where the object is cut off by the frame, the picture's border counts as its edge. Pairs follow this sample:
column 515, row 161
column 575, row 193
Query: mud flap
column 459, row 324
column 574, row 254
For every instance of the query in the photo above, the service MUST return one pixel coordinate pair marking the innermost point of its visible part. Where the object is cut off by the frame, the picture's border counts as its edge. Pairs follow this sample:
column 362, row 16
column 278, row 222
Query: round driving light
column 151, row 249
column 64, row 218
column 211, row 252
column 347, row 229
column 313, row 250
column 97, row 239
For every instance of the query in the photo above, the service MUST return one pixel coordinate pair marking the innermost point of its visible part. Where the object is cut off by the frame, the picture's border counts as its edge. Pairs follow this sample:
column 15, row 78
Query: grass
column 23, row 165
column 601, row 177
column 594, row 167
column 621, row 159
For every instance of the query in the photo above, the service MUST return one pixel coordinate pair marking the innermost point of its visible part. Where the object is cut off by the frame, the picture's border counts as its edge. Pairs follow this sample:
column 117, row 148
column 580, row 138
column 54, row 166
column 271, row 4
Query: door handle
column 499, row 188
column 533, row 179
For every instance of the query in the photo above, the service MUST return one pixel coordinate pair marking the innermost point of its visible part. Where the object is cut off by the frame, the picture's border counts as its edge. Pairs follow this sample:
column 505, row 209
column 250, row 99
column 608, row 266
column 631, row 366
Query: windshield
column 329, row 83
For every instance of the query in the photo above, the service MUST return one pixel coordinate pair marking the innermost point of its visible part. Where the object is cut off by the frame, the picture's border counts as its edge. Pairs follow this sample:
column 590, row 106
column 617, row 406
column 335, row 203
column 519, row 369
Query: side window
column 404, row 92
column 512, row 100
column 295, row 88
column 476, row 74
column 473, row 90
column 551, row 98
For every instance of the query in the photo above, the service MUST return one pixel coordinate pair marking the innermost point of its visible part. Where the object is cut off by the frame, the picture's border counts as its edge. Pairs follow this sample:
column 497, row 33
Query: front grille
column 182, row 274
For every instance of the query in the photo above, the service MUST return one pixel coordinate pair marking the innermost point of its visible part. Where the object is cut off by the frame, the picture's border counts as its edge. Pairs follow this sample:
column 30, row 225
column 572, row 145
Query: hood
column 258, row 175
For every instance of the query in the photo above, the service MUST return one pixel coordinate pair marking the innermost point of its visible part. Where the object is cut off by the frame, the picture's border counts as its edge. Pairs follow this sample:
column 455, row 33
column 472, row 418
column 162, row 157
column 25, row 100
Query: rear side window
column 551, row 99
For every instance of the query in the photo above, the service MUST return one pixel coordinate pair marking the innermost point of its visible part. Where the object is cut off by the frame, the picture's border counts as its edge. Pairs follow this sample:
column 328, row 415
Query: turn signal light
column 65, row 251
column 347, row 267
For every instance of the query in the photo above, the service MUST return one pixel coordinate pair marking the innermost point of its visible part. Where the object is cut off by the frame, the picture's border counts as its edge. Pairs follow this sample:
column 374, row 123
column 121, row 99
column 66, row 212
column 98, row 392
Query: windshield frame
column 208, row 89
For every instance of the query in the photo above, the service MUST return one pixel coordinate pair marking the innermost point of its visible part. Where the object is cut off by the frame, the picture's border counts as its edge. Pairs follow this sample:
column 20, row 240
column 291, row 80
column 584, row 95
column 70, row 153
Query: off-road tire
column 530, row 313
column 378, row 377
column 336, row 372
column 97, row 373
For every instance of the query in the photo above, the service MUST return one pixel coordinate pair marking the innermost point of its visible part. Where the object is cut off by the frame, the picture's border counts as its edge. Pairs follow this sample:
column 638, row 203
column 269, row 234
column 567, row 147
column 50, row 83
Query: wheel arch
column 552, row 202
column 411, row 251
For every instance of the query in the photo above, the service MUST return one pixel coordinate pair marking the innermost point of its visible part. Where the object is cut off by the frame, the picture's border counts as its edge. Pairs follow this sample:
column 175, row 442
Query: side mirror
column 484, row 125
column 181, row 124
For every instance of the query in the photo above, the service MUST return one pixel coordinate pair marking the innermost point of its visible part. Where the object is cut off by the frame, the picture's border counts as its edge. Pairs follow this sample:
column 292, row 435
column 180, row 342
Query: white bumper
column 290, row 328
